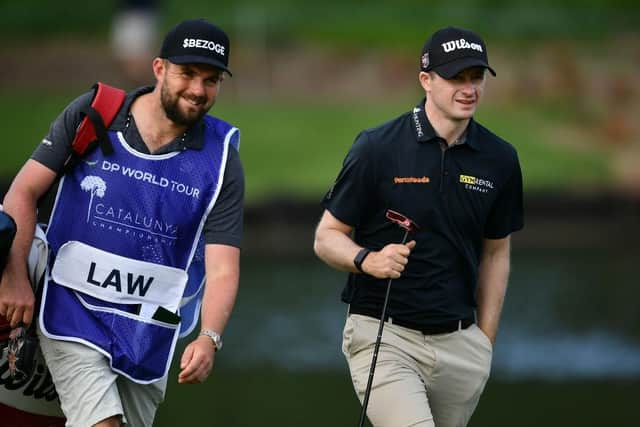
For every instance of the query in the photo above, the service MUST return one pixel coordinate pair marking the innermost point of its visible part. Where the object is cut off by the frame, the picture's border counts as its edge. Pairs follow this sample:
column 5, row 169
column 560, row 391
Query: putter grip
column 22, row 350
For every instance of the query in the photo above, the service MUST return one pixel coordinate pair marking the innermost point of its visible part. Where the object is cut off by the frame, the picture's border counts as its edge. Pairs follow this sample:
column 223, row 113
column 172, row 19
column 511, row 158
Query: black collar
column 421, row 125
column 426, row 133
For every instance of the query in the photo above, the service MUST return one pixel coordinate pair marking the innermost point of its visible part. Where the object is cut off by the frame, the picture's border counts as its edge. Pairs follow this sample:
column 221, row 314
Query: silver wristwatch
column 215, row 337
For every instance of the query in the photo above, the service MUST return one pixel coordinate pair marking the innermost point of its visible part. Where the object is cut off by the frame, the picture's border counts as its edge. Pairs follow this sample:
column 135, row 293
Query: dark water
column 568, row 314
column 568, row 352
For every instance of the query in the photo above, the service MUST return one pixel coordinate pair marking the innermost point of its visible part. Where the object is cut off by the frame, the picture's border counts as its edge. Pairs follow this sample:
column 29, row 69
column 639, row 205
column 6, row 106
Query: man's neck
column 449, row 129
column 153, row 124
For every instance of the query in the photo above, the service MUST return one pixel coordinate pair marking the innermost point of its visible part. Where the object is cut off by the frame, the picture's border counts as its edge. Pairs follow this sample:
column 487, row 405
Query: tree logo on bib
column 95, row 186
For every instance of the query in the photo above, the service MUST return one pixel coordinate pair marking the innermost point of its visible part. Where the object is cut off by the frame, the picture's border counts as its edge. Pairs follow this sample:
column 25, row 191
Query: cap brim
column 194, row 59
column 453, row 68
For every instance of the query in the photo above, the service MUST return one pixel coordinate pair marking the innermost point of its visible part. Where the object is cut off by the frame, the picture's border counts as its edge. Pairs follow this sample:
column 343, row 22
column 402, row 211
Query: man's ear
column 425, row 80
column 159, row 65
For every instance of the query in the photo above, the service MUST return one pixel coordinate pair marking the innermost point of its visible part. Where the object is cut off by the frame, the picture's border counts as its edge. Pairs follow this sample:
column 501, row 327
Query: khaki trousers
column 90, row 391
column 420, row 380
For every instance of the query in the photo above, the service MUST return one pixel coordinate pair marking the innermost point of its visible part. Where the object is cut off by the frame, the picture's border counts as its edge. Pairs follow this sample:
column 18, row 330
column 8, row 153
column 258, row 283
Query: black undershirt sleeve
column 224, row 223
column 55, row 148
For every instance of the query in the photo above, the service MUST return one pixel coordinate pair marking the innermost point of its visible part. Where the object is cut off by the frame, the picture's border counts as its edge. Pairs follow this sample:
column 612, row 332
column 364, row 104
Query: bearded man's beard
column 173, row 111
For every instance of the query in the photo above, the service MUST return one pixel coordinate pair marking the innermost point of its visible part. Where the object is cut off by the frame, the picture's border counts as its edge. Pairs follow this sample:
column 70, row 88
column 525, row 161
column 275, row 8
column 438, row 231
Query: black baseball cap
column 197, row 41
column 451, row 50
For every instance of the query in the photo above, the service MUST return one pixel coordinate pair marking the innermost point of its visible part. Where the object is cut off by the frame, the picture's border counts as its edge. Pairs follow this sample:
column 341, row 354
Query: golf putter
column 409, row 226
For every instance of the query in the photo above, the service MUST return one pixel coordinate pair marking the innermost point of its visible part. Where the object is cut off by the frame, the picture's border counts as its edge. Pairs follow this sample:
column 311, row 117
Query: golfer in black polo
column 463, row 186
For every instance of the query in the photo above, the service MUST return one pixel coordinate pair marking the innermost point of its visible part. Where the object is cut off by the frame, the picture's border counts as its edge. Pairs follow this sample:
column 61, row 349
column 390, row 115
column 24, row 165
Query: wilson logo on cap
column 451, row 50
column 452, row 45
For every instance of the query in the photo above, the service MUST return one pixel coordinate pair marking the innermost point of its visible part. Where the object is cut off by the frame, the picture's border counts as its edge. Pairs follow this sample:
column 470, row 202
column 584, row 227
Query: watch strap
column 359, row 259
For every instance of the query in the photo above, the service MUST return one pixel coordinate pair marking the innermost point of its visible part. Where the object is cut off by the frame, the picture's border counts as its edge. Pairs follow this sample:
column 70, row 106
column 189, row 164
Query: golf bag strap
column 92, row 131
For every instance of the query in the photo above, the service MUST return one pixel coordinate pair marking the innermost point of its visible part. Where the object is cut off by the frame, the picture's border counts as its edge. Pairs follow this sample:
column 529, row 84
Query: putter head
column 401, row 220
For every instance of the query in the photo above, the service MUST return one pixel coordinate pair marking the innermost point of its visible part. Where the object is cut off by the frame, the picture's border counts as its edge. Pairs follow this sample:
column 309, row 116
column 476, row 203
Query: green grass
column 41, row 19
column 26, row 119
column 548, row 162
column 274, row 397
column 295, row 149
column 342, row 22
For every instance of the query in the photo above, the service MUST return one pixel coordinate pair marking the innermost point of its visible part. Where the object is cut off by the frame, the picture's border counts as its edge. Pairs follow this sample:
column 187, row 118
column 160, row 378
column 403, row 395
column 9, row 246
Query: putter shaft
column 365, row 401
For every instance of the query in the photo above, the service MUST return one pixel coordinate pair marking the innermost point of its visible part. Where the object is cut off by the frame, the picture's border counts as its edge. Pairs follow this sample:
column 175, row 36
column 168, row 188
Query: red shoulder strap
column 107, row 102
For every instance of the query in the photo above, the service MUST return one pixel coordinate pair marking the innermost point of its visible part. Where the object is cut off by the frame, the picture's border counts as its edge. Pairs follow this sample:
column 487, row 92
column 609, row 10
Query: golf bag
column 27, row 393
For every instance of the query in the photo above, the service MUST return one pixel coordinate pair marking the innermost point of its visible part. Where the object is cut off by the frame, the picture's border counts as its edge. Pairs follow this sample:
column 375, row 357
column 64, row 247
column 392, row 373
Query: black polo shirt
column 457, row 195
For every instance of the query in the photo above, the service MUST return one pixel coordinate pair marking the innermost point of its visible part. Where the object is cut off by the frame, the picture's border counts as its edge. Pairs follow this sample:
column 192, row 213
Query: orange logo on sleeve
column 411, row 180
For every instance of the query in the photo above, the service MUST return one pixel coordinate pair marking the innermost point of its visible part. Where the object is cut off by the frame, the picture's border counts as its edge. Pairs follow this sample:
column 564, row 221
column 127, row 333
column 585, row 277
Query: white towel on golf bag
column 38, row 257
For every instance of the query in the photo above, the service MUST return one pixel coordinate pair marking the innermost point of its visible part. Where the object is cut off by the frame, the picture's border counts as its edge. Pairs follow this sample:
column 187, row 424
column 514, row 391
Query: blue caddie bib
column 127, row 252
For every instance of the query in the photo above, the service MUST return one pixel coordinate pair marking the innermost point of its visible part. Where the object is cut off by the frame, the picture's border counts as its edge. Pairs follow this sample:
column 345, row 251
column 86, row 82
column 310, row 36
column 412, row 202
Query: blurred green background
column 308, row 76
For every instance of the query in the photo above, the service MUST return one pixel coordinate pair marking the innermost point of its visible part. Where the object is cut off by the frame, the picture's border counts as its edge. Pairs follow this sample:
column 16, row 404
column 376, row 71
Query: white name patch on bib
column 118, row 279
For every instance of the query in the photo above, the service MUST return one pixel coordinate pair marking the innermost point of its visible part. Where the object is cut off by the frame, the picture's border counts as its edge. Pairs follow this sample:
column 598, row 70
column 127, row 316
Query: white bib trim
column 117, row 279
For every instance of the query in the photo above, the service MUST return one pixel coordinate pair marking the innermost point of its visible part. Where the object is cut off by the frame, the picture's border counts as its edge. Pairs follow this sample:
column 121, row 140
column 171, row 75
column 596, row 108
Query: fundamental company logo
column 204, row 44
column 411, row 180
column 416, row 121
column 47, row 142
column 452, row 45
column 476, row 184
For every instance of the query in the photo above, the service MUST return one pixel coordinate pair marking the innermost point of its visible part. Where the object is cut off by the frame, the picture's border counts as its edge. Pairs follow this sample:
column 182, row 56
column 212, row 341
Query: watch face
column 218, row 342
column 215, row 337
